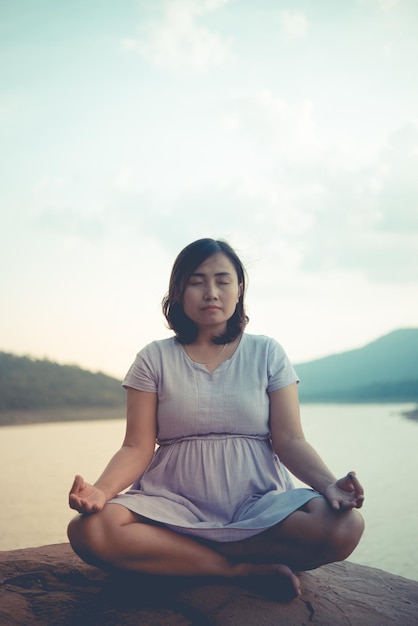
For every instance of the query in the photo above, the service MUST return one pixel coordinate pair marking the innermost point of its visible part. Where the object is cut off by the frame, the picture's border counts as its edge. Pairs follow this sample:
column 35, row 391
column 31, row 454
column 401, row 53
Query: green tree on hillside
column 27, row 383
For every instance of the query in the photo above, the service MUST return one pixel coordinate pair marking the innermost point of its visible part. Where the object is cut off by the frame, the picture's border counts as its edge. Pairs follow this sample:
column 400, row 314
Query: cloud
column 293, row 25
column 397, row 192
column 178, row 41
column 368, row 219
column 314, row 203
column 289, row 131
column 57, row 205
column 338, row 205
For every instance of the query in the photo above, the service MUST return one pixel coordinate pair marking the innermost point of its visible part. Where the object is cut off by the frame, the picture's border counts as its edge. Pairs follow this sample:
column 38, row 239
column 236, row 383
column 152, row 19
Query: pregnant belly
column 215, row 472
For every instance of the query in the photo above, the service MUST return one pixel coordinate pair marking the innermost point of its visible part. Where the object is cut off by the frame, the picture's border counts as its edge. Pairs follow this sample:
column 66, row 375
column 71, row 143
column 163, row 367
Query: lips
column 211, row 308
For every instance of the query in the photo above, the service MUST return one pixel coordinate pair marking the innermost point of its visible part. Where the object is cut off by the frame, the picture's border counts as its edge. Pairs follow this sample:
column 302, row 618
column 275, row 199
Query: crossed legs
column 308, row 538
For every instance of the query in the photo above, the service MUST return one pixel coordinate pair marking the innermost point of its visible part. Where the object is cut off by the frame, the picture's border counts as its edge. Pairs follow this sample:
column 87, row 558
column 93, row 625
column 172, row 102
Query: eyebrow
column 217, row 274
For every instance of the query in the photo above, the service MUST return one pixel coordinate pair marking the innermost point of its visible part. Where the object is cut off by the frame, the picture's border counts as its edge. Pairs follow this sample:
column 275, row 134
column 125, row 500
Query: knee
column 346, row 535
column 76, row 534
column 84, row 536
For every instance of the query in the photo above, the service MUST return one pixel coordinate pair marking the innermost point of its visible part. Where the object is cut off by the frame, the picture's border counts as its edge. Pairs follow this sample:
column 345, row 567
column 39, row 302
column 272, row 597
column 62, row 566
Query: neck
column 203, row 355
column 205, row 337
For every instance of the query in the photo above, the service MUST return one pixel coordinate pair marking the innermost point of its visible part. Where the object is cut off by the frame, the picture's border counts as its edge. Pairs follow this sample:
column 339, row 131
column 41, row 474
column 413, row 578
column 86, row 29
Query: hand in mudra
column 85, row 498
column 345, row 493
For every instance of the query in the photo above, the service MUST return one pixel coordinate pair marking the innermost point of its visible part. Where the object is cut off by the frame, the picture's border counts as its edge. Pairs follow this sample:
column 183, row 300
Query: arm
column 301, row 458
column 129, row 462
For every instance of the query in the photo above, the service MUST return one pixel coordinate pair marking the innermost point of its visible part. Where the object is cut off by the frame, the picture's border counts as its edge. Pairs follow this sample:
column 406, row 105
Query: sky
column 131, row 128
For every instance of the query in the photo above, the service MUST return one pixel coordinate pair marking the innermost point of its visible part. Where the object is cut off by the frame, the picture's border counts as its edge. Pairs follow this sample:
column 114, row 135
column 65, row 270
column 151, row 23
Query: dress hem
column 235, row 531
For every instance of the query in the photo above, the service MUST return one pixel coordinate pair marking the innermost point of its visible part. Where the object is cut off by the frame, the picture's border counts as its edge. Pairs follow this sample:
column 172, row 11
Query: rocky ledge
column 51, row 586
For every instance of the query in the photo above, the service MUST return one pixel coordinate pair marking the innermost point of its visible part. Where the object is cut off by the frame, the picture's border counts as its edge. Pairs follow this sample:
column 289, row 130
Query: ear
column 240, row 290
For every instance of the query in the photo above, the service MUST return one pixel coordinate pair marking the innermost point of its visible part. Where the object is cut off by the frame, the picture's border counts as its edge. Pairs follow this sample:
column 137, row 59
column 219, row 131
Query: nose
column 211, row 291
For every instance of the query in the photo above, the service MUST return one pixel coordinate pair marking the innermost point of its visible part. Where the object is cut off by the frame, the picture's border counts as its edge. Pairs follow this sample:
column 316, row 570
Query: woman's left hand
column 345, row 493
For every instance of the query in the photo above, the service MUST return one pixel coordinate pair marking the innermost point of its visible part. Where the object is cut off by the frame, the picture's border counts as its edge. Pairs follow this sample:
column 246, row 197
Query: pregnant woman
column 215, row 497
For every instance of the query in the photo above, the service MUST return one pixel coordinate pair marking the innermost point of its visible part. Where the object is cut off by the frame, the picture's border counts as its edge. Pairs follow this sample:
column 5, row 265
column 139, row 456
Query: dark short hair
column 185, row 264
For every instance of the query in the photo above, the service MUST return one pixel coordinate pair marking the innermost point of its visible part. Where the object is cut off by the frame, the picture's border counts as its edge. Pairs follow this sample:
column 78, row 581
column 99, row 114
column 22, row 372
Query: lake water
column 38, row 462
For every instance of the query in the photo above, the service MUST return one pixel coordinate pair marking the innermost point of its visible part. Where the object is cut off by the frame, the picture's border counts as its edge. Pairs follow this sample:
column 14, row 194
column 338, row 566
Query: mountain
column 31, row 384
column 384, row 370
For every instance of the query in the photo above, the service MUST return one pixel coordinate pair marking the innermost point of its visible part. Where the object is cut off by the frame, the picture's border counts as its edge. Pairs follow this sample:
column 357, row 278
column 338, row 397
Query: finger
column 353, row 501
column 348, row 505
column 360, row 501
column 349, row 482
column 89, row 509
column 75, row 503
column 358, row 489
column 77, row 485
column 335, row 505
column 345, row 486
column 81, row 505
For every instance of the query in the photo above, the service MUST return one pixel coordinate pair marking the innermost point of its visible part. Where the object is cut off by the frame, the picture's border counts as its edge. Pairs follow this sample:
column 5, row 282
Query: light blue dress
column 215, row 474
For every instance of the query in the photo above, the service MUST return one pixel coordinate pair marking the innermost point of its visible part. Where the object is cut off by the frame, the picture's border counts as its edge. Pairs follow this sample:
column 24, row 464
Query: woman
column 216, row 498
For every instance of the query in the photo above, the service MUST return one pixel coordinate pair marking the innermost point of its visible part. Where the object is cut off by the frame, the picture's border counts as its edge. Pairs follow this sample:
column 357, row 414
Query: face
column 212, row 293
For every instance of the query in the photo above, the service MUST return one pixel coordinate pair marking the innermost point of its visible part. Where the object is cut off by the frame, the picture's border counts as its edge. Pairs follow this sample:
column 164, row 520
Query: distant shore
column 82, row 414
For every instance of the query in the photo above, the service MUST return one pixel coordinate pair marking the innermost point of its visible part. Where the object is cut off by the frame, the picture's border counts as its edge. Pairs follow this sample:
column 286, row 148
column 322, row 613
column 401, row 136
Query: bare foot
column 274, row 579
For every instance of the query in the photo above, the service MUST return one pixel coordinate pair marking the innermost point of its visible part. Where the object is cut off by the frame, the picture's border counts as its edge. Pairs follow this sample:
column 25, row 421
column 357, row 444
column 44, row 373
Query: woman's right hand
column 85, row 498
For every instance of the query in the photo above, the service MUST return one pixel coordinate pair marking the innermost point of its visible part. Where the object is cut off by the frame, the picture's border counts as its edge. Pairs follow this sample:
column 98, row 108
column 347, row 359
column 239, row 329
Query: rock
column 412, row 415
column 52, row 586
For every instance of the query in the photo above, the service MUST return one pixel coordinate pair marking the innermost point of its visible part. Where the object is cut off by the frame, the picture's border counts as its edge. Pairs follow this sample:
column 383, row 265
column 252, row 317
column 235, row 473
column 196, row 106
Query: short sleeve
column 143, row 373
column 280, row 370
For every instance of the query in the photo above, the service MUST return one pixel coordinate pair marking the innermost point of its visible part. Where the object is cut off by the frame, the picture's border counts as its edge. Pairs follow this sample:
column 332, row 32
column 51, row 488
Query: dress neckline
column 221, row 366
